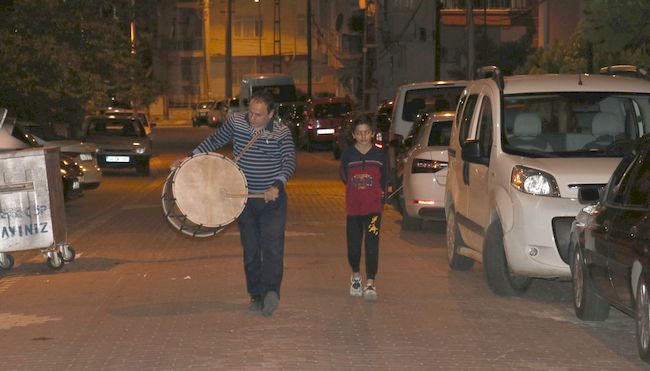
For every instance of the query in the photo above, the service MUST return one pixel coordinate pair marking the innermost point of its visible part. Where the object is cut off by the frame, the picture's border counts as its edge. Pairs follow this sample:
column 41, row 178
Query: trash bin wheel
column 55, row 260
column 68, row 254
column 6, row 262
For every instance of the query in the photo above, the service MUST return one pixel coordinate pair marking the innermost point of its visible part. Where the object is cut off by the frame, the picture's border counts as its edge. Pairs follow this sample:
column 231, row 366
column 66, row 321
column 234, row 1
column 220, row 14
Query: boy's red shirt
column 364, row 176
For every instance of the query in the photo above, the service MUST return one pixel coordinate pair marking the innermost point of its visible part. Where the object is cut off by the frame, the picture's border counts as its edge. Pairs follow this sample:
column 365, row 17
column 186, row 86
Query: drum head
column 209, row 189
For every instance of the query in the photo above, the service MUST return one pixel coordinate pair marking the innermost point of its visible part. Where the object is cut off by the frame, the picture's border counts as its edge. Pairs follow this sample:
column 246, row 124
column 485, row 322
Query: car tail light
column 424, row 202
column 310, row 125
column 379, row 145
column 427, row 166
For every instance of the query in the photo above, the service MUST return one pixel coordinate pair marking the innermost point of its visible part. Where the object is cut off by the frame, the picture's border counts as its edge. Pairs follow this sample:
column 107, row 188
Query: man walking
column 264, row 151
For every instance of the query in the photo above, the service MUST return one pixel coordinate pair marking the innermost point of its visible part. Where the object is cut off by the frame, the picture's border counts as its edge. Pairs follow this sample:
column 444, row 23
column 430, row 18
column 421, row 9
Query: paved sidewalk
column 141, row 296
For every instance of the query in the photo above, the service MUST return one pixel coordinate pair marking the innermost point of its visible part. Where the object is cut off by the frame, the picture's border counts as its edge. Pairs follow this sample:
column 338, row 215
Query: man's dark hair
column 264, row 96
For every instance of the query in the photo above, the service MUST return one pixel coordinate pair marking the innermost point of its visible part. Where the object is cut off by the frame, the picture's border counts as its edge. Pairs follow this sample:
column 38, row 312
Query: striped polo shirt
column 271, row 159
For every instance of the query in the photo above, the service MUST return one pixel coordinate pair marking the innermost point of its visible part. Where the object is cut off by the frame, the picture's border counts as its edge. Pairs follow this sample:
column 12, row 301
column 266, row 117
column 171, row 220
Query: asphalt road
column 142, row 296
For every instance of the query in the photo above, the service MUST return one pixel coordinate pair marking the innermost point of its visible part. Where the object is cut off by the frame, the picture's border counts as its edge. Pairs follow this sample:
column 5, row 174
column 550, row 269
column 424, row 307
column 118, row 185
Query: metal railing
column 488, row 4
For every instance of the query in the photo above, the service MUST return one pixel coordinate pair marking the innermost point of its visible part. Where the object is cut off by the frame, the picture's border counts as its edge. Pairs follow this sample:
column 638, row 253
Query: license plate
column 75, row 184
column 85, row 156
column 324, row 131
column 203, row 113
column 118, row 159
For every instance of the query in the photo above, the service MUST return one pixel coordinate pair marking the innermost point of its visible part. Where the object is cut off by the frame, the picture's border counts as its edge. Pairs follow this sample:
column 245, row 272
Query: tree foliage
column 62, row 58
column 619, row 31
column 613, row 32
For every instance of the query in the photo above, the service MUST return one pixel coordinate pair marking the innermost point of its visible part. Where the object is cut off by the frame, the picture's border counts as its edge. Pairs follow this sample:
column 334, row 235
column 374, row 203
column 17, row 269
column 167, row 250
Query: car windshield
column 440, row 134
column 430, row 100
column 331, row 110
column 574, row 124
column 140, row 115
column 44, row 132
column 115, row 127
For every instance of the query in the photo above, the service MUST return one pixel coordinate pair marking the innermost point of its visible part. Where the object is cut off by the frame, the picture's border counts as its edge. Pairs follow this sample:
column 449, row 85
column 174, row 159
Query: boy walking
column 363, row 170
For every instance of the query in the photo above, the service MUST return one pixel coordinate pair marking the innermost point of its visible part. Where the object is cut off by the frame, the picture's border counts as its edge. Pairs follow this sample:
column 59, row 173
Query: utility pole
column 259, row 27
column 228, row 49
column 436, row 40
column 277, row 37
column 369, row 53
column 470, row 40
column 309, row 56
column 206, row 50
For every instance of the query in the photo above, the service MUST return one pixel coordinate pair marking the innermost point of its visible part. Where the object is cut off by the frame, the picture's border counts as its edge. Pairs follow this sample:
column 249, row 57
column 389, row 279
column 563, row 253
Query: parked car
column 415, row 99
column 201, row 112
column 122, row 142
column 610, row 260
column 142, row 116
column 322, row 116
column 522, row 149
column 425, row 172
column 82, row 153
column 293, row 116
column 72, row 175
column 71, row 172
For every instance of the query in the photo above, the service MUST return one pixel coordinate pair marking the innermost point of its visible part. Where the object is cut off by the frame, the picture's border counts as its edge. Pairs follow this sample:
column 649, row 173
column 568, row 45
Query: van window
column 440, row 134
column 485, row 127
column 574, row 124
column 430, row 100
column 466, row 118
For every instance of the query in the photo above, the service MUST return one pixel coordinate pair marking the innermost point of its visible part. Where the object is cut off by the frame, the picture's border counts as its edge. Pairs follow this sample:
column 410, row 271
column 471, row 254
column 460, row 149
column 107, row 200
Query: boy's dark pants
column 358, row 227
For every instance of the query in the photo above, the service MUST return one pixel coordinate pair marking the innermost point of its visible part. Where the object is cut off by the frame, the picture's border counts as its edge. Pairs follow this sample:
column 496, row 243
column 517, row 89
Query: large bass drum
column 205, row 193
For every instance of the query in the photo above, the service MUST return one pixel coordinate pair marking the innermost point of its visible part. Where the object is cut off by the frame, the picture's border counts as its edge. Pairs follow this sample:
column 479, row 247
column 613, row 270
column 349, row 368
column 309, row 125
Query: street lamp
column 259, row 35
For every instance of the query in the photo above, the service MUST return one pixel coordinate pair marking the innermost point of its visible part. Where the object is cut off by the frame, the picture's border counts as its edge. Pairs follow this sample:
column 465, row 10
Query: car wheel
column 497, row 272
column 408, row 223
column 6, row 262
column 643, row 319
column 587, row 304
column 456, row 261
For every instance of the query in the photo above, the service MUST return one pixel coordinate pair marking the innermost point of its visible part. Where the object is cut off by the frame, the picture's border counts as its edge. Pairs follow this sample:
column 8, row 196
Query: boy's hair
column 264, row 96
column 362, row 120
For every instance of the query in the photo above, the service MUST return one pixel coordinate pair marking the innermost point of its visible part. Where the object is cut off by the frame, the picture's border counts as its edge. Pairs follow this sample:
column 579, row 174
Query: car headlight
column 140, row 150
column 534, row 182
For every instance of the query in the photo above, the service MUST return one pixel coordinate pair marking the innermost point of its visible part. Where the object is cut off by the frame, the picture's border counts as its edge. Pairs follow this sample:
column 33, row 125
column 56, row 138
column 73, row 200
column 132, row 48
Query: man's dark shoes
column 255, row 303
column 271, row 302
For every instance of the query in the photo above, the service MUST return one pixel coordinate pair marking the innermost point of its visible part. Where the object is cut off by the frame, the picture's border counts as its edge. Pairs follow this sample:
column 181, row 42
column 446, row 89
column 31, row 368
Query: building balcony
column 499, row 13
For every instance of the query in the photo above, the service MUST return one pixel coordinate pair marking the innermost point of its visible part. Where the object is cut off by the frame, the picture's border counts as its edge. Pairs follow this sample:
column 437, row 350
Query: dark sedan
column 611, row 260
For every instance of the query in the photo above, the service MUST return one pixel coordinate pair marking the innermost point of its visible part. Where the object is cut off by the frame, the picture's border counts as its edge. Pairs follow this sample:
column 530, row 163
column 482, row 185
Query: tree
column 60, row 57
column 619, row 31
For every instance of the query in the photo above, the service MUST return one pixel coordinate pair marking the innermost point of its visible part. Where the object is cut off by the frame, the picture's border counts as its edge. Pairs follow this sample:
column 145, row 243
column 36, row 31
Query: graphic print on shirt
column 362, row 181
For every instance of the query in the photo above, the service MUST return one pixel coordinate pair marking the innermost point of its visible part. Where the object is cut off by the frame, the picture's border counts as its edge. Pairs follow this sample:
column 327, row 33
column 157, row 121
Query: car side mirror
column 589, row 195
column 471, row 152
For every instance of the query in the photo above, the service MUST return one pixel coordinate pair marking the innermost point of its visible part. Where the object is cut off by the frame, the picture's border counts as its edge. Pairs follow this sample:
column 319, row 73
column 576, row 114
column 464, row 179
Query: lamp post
column 258, row 27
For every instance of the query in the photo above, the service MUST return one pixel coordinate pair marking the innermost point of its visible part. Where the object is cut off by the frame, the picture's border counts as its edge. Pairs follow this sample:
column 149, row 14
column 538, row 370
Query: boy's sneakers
column 370, row 293
column 355, row 285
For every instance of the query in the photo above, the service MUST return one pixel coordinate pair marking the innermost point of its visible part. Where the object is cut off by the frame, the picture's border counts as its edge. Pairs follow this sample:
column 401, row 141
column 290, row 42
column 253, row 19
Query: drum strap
column 249, row 144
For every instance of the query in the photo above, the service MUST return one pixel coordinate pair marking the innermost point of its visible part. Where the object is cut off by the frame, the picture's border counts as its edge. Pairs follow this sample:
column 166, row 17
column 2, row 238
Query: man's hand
column 271, row 194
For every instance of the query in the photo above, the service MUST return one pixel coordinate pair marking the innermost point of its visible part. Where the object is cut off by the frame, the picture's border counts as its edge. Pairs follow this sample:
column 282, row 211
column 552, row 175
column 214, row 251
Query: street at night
column 140, row 295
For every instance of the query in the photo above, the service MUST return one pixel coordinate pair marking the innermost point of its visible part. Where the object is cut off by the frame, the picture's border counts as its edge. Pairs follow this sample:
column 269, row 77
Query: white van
column 281, row 86
column 414, row 100
column 524, row 152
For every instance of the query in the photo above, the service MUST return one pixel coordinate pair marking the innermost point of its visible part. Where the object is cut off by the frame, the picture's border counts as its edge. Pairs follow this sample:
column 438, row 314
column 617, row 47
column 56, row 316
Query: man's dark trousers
column 261, row 228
